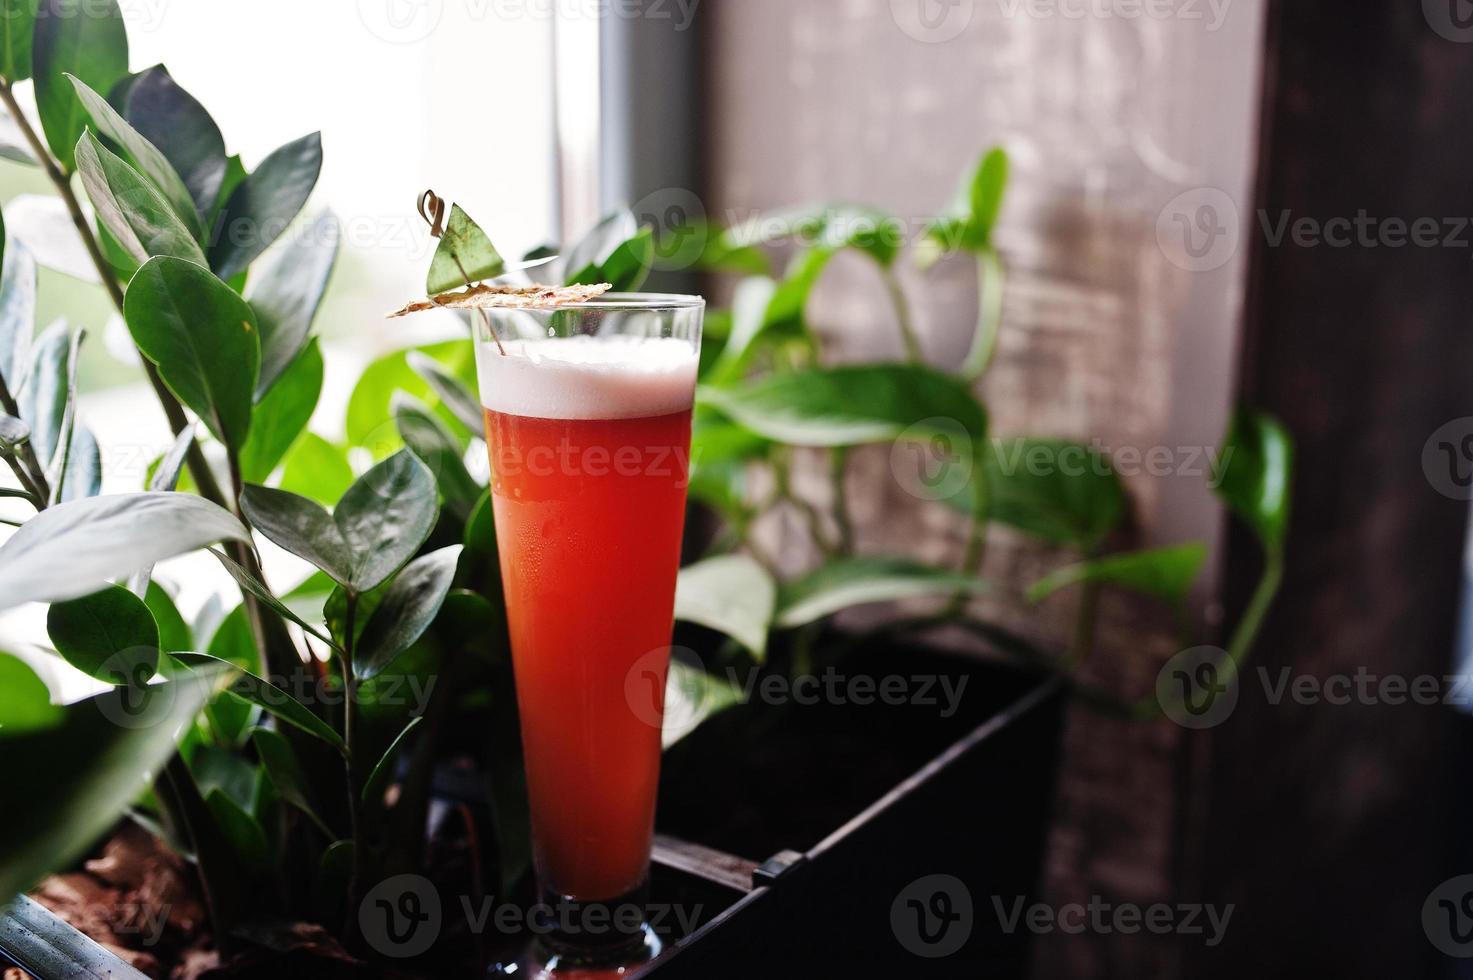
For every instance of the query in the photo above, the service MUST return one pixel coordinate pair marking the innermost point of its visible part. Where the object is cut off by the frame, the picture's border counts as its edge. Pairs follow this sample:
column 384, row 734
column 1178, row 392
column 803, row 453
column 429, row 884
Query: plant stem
column 976, row 548
column 989, row 314
column 782, row 476
column 1244, row 634
column 843, row 517
column 33, row 493
column 355, row 777
column 903, row 318
column 36, row 484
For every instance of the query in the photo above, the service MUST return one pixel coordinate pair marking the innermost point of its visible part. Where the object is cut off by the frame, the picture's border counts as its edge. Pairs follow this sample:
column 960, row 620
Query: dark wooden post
column 1328, row 825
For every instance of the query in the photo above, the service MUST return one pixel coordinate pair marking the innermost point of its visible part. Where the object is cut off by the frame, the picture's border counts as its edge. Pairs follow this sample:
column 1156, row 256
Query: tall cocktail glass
column 588, row 415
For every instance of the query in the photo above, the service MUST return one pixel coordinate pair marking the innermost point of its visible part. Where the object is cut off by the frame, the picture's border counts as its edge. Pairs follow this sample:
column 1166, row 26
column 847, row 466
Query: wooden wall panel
column 1110, row 332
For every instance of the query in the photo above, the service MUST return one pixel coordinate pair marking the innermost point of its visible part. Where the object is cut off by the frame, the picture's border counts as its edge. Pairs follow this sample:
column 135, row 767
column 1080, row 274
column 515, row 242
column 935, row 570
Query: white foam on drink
column 588, row 377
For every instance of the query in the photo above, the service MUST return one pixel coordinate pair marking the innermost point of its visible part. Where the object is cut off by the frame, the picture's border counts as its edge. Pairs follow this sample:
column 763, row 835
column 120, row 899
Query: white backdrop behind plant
column 404, row 100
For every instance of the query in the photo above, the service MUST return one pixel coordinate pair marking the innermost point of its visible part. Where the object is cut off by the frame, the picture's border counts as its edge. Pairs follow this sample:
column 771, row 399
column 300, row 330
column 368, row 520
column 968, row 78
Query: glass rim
column 622, row 301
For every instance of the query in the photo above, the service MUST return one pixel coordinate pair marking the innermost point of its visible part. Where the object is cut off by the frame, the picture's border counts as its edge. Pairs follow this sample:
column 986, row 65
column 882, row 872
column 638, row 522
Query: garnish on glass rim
column 466, row 257
column 485, row 297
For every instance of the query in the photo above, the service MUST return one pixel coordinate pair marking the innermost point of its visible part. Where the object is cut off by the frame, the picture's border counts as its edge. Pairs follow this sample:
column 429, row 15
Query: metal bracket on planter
column 769, row 871
column 46, row 947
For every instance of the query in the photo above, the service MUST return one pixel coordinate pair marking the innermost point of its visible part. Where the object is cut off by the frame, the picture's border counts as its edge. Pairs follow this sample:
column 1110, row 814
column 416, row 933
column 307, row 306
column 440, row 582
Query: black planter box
column 858, row 899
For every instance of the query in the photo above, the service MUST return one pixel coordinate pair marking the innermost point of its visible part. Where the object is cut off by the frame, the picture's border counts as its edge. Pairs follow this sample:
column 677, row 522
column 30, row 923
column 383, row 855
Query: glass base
column 585, row 940
column 538, row 962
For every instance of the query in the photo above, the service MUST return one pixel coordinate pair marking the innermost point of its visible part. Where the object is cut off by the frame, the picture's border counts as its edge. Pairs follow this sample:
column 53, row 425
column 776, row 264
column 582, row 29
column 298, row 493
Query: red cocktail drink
column 589, row 439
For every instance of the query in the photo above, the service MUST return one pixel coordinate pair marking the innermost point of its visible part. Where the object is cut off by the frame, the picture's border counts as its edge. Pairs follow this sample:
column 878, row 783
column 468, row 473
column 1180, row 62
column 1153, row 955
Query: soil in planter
column 772, row 774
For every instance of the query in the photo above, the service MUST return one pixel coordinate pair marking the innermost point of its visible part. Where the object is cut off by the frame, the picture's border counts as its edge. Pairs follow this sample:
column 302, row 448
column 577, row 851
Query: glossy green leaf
column 17, row 313
column 264, row 204
column 370, row 421
column 406, row 610
column 13, row 433
column 1253, row 475
column 702, row 245
column 829, row 227
column 1052, row 489
column 73, row 549
column 174, row 632
column 241, row 831
column 287, row 293
column 203, row 338
column 273, row 699
column 593, row 249
column 301, row 526
column 465, row 255
column 179, row 126
column 438, row 450
column 249, row 583
column 378, row 525
column 165, row 475
column 25, row 701
column 840, row 585
column 228, row 715
column 1166, row 573
column 85, row 39
column 334, row 878
column 967, row 225
column 235, row 175
column 148, row 159
column 281, row 415
column 385, row 516
column 43, row 401
column 480, row 562
column 286, row 774
column 17, row 27
column 56, row 463
column 119, row 259
column 457, row 398
column 854, row 405
column 749, row 322
column 215, row 768
column 732, row 594
column 625, row 268
column 109, row 635
column 691, row 697
column 108, row 747
column 378, row 780
column 82, row 475
column 316, row 469
column 141, row 220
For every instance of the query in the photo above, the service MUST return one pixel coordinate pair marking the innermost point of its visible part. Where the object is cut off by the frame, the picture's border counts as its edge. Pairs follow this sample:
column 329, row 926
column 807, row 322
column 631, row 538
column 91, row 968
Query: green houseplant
column 277, row 749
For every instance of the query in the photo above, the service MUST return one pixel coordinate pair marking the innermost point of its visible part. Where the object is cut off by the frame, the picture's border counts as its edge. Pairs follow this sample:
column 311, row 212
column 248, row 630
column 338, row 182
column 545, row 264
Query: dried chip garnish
column 486, row 297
